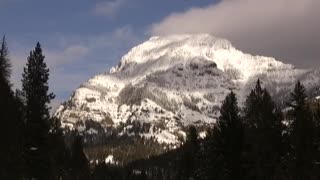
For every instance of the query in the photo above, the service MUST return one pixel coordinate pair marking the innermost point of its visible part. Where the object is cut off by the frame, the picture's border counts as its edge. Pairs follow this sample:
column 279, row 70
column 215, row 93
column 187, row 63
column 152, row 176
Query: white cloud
column 286, row 29
column 120, row 37
column 67, row 55
column 109, row 7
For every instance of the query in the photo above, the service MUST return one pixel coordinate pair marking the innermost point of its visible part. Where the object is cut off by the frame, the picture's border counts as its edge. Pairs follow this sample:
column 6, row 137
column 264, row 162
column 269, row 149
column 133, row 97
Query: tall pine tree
column 302, row 135
column 220, row 155
column 11, row 121
column 5, row 66
column 230, row 134
column 37, row 98
column 263, row 135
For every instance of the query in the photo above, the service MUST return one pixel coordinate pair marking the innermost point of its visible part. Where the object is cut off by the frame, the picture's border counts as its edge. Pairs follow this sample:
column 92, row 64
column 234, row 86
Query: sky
column 82, row 38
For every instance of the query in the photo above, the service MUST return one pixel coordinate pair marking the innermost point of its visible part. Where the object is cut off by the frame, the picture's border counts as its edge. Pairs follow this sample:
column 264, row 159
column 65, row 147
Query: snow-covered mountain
column 170, row 82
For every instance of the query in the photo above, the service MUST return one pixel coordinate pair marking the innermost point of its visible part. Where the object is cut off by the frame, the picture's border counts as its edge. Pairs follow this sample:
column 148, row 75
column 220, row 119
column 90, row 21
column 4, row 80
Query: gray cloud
column 285, row 29
column 108, row 8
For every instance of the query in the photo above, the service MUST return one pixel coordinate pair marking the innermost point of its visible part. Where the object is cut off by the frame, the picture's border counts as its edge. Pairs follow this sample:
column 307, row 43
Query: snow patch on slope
column 170, row 82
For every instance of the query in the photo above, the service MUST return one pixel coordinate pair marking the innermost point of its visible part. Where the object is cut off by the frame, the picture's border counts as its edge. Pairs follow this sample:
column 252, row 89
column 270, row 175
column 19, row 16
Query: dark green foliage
column 207, row 159
column 104, row 171
column 188, row 159
column 302, row 136
column 11, row 121
column 79, row 163
column 5, row 66
column 317, row 138
column 45, row 153
column 230, row 138
column 59, row 153
column 263, row 135
column 35, row 87
column 221, row 155
column 192, row 139
column 36, row 99
column 124, row 148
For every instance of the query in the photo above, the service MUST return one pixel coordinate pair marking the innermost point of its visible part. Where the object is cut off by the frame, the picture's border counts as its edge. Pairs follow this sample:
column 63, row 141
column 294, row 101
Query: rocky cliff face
column 167, row 83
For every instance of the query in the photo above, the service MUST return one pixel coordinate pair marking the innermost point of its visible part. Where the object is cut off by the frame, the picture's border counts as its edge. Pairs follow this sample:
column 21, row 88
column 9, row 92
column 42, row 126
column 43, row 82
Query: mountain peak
column 163, row 52
column 170, row 82
column 179, row 45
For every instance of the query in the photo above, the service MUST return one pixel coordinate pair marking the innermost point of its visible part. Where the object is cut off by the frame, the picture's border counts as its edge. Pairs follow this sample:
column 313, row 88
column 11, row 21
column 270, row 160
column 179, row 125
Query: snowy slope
column 170, row 82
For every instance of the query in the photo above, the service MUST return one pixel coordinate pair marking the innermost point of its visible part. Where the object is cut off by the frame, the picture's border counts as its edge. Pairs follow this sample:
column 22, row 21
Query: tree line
column 258, row 141
column 261, row 141
column 32, row 143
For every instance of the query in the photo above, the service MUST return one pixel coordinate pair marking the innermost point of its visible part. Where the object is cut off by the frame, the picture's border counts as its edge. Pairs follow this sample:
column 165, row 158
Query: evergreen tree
column 188, row 161
column 316, row 118
column 35, row 93
column 302, row 135
column 230, row 132
column 5, row 66
column 210, row 160
column 263, row 135
column 11, row 121
column 192, row 139
column 79, row 162
column 59, row 153
column 221, row 152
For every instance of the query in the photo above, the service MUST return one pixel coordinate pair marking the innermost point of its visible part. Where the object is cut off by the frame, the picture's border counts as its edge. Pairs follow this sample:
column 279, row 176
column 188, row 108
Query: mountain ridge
column 170, row 82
